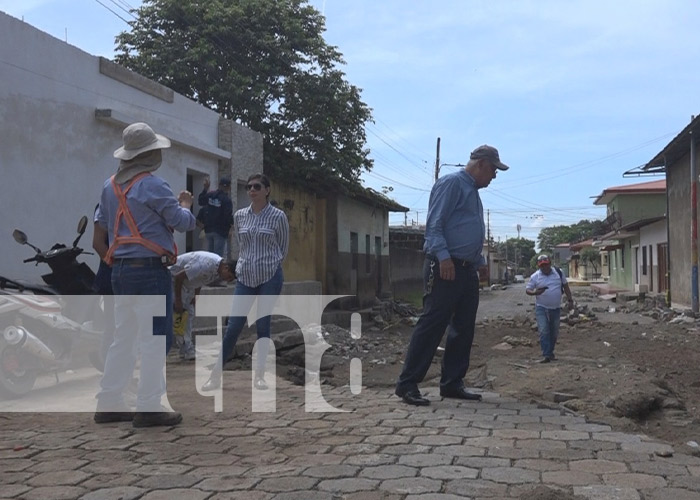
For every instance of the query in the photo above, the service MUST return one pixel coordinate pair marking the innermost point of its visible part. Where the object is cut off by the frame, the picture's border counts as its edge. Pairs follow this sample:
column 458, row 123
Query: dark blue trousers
column 450, row 305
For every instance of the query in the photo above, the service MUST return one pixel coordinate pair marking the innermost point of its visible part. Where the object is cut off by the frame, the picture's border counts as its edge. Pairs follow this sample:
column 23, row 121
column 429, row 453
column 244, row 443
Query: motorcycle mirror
column 19, row 237
column 82, row 224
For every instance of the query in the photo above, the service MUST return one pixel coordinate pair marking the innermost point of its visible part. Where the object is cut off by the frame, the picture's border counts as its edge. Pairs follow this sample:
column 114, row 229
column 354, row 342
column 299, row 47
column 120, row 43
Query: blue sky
column 572, row 93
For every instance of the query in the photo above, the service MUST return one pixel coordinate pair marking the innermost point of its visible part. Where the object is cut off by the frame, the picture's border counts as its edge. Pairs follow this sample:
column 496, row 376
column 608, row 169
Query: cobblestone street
column 496, row 449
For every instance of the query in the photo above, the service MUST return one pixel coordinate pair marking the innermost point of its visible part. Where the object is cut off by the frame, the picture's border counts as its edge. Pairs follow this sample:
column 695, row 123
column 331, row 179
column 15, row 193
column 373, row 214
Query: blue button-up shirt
column 455, row 224
column 155, row 210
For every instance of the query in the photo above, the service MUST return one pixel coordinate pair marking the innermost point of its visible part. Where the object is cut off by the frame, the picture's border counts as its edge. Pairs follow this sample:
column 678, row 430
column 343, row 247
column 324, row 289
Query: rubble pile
column 580, row 313
column 655, row 307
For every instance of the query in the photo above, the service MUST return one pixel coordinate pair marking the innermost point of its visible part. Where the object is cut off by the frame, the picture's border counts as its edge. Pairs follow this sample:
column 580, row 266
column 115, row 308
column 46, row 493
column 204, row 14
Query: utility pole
column 488, row 243
column 517, row 254
column 437, row 160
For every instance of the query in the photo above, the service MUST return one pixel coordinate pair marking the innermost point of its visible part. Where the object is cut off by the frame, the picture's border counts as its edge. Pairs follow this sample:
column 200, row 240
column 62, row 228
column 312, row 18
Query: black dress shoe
column 156, row 419
column 544, row 360
column 107, row 417
column 460, row 393
column 415, row 398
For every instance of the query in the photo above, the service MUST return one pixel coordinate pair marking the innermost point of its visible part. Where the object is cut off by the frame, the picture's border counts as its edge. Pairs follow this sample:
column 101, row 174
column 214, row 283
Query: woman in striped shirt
column 263, row 240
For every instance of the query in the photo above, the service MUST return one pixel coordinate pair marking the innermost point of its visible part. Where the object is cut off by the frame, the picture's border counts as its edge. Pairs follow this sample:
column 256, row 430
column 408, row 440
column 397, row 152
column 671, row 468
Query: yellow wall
column 300, row 207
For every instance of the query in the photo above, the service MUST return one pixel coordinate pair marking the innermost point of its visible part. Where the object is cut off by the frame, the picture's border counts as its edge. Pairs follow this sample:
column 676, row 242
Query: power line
column 123, row 8
column 534, row 179
column 113, row 12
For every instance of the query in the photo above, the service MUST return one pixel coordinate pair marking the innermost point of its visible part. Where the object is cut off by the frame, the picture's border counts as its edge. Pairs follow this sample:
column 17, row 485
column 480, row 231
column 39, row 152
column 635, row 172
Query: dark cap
column 489, row 153
column 224, row 181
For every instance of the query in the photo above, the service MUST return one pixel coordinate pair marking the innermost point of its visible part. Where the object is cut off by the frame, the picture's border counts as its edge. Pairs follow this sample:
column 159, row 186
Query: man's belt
column 140, row 261
column 457, row 262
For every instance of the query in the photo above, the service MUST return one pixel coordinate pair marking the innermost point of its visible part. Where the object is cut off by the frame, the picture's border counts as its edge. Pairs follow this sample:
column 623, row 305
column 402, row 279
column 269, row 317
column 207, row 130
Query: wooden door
column 662, row 256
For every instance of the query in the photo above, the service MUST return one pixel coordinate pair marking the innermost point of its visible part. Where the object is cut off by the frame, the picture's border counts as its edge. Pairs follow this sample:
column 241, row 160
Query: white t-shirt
column 200, row 268
column 551, row 298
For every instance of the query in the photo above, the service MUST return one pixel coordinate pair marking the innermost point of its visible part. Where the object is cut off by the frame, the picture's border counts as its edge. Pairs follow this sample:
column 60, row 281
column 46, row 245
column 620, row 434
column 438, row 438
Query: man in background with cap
column 139, row 211
column 454, row 239
column 216, row 215
column 547, row 287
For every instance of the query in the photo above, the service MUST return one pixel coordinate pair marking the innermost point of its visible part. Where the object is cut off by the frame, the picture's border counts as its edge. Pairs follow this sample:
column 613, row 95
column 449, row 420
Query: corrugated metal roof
column 677, row 148
column 650, row 187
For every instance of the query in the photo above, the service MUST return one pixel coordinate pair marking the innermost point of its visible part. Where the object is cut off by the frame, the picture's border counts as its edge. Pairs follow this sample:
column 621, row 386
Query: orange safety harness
column 167, row 257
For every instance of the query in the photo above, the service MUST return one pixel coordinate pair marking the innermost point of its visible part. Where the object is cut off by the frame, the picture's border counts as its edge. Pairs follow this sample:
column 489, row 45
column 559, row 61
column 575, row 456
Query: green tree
column 590, row 255
column 265, row 64
column 550, row 237
column 519, row 251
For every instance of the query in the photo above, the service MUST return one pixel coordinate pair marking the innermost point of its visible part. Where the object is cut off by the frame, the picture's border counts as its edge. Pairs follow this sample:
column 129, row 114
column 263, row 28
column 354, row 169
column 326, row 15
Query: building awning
column 612, row 248
column 604, row 243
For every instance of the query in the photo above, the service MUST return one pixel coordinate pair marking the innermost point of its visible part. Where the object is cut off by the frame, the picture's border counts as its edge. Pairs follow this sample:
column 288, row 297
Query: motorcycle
column 42, row 325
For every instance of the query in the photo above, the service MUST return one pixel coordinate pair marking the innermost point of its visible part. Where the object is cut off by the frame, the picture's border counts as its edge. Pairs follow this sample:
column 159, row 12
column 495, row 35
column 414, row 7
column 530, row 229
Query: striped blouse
column 263, row 241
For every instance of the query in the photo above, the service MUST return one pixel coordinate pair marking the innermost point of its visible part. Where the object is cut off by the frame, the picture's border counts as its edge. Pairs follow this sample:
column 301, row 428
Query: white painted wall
column 55, row 155
column 361, row 218
column 653, row 234
column 649, row 237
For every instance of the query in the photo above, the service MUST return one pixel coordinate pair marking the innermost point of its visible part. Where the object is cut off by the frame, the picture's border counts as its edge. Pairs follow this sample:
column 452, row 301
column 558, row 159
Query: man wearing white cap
column 139, row 212
column 547, row 287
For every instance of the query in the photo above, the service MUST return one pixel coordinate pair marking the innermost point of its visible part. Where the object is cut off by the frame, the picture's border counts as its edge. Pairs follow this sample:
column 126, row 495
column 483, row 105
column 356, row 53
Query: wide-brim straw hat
column 139, row 138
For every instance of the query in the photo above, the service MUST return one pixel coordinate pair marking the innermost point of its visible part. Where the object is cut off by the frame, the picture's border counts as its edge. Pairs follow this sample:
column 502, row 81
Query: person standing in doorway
column 217, row 218
column 454, row 239
column 547, row 287
column 263, row 239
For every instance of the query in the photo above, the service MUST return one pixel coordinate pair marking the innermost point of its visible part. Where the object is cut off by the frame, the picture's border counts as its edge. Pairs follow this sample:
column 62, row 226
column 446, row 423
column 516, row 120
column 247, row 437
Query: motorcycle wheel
column 15, row 381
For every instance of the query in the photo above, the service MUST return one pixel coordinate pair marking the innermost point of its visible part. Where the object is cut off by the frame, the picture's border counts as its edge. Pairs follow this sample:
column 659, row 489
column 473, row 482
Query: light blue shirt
column 455, row 224
column 155, row 210
column 551, row 298
column 263, row 241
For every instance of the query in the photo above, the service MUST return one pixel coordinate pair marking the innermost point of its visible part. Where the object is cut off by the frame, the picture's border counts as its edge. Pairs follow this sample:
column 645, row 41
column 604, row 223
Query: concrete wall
column 621, row 263
column 678, row 192
column 300, row 208
column 406, row 271
column 633, row 207
column 368, row 274
column 650, row 237
column 55, row 154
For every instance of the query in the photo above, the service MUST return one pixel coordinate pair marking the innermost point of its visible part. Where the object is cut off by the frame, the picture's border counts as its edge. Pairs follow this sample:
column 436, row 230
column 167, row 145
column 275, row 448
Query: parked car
column 519, row 278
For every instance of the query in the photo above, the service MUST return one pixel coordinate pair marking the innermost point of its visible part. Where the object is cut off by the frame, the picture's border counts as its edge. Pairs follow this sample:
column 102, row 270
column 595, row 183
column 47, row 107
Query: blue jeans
column 451, row 305
column 137, row 331
column 548, row 326
column 244, row 297
column 216, row 243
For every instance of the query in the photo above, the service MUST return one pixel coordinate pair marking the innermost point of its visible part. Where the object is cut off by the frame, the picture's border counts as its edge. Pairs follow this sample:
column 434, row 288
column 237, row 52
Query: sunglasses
column 254, row 187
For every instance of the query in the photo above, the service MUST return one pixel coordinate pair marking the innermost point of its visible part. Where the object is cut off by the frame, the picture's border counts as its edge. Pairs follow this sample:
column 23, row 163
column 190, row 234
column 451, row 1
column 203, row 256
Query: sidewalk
column 383, row 449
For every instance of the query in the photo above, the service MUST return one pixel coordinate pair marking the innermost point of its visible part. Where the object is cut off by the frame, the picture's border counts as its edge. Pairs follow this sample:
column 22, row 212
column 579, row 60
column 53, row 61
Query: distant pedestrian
column 192, row 271
column 138, row 210
column 263, row 240
column 547, row 287
column 216, row 215
column 454, row 240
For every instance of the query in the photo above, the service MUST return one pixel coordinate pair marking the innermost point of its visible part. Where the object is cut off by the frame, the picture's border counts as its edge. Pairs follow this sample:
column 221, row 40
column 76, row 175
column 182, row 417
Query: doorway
column 662, row 256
